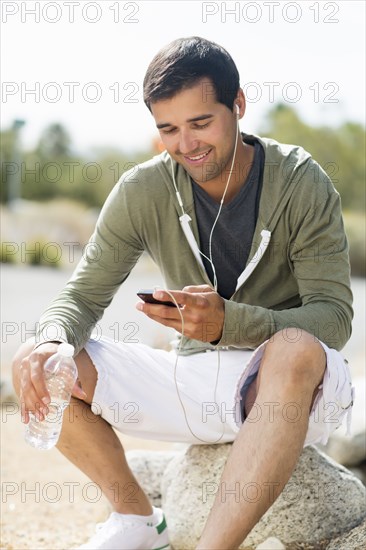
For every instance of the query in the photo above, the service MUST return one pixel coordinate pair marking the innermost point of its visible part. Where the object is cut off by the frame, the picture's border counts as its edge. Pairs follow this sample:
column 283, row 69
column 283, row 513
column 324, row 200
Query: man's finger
column 181, row 297
column 172, row 323
column 160, row 311
column 29, row 398
column 37, row 377
column 77, row 391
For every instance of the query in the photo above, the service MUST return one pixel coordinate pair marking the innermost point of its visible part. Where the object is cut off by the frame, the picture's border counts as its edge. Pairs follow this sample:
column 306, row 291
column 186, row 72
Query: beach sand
column 46, row 501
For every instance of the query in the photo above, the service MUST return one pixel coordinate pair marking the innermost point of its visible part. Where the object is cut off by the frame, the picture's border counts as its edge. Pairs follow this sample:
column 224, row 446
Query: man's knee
column 22, row 352
column 296, row 356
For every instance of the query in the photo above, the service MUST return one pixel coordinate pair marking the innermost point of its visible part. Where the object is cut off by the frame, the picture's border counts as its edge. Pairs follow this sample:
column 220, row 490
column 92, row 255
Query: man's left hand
column 202, row 308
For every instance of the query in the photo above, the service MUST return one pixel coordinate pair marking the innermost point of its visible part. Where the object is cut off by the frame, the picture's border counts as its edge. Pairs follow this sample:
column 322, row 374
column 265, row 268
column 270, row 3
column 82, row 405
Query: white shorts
column 142, row 392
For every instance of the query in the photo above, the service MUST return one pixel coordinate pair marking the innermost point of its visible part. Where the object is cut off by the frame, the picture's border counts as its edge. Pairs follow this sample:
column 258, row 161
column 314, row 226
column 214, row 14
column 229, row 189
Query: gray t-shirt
column 233, row 234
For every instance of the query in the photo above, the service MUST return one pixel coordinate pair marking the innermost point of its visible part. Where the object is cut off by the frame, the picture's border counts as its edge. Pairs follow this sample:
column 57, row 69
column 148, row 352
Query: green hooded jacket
column 297, row 274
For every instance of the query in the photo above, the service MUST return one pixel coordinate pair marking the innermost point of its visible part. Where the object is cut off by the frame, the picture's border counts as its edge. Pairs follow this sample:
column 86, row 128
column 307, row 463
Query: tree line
column 52, row 170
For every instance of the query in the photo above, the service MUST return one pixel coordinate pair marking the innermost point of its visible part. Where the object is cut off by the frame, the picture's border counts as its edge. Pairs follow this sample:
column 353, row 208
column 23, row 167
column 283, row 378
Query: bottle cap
column 67, row 350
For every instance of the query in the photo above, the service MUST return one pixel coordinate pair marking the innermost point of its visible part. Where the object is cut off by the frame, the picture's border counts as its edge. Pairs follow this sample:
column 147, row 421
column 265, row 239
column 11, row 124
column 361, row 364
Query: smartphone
column 147, row 296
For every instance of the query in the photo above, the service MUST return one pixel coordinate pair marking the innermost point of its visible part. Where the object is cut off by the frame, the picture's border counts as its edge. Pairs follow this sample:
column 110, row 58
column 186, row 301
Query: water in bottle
column 60, row 375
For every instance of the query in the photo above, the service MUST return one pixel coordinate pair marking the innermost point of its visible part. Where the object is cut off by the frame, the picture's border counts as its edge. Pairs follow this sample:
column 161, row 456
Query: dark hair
column 185, row 61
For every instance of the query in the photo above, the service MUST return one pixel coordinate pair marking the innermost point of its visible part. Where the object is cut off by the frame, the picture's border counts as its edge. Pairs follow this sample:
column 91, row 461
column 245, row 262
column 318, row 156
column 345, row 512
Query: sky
column 82, row 63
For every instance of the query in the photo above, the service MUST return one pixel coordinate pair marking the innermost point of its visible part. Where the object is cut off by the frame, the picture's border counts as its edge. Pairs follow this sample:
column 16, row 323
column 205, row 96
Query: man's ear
column 240, row 103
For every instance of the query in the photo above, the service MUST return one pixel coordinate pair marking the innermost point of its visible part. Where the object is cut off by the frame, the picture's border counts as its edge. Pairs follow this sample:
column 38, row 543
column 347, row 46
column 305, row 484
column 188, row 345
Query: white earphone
column 184, row 220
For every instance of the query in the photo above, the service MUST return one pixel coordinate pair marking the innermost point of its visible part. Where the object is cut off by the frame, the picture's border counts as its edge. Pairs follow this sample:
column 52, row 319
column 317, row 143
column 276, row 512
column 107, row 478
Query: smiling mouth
column 198, row 157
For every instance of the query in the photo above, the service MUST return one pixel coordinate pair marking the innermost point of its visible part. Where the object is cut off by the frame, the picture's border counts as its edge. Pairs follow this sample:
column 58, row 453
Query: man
column 248, row 233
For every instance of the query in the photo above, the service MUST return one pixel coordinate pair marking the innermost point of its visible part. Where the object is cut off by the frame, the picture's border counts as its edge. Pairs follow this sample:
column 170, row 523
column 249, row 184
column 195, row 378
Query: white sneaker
column 130, row 532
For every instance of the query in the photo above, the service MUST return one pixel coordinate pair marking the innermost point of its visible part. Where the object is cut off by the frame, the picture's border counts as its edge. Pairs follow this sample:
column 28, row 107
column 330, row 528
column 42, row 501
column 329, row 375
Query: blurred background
column 73, row 120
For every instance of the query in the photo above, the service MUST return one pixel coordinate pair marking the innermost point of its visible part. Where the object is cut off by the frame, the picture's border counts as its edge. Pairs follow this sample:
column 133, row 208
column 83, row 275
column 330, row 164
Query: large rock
column 148, row 468
column 353, row 540
column 321, row 500
column 351, row 450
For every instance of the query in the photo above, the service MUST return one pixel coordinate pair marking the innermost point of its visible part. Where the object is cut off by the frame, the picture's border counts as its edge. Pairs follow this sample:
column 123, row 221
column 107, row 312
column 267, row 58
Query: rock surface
column 148, row 467
column 351, row 450
column 354, row 540
column 321, row 500
column 271, row 544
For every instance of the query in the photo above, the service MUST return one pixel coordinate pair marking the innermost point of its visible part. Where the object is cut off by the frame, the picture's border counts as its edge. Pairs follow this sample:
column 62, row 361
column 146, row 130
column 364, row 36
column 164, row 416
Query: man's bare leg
column 90, row 443
column 266, row 451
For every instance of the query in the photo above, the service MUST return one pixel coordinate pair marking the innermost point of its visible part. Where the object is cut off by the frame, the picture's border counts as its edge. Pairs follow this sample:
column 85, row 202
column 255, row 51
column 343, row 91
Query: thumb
column 198, row 289
column 78, row 391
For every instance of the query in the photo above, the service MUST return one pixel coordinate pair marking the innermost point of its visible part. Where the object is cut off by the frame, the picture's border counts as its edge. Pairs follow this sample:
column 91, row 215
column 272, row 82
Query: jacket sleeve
column 317, row 255
column 108, row 258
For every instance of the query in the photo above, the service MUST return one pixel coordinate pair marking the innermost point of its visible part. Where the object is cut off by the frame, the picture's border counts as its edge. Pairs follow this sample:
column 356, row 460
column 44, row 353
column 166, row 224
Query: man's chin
column 199, row 175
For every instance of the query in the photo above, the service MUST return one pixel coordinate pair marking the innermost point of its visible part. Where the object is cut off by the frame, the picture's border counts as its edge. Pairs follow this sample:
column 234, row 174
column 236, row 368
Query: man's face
column 198, row 132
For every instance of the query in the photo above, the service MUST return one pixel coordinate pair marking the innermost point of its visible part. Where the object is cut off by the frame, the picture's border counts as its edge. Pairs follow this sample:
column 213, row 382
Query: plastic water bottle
column 60, row 375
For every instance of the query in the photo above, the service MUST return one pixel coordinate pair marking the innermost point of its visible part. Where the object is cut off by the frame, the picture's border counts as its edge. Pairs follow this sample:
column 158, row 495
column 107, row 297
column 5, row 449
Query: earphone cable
column 176, row 382
column 215, row 285
column 219, row 211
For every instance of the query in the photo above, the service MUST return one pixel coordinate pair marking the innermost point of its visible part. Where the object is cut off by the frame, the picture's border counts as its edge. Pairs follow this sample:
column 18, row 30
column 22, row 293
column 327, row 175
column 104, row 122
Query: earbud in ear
column 237, row 109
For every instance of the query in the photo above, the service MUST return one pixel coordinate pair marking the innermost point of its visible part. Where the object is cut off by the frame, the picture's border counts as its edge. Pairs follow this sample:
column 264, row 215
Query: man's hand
column 202, row 309
column 34, row 396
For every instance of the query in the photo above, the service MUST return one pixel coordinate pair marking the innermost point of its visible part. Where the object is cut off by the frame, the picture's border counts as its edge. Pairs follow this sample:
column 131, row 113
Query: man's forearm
column 248, row 326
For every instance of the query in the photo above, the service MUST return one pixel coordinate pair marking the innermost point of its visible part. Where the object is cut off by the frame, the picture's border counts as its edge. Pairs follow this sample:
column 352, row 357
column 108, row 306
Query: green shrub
column 8, row 255
column 30, row 253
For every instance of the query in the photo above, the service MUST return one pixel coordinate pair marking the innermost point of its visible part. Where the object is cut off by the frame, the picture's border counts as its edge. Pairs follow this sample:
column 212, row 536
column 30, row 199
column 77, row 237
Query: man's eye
column 201, row 126
column 196, row 127
column 170, row 131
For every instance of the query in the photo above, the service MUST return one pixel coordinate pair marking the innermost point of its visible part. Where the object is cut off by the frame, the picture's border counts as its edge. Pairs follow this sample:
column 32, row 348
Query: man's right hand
column 34, row 396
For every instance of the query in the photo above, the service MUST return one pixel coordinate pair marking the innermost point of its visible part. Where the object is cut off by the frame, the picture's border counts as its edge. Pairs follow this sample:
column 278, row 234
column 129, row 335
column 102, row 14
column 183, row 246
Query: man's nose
column 188, row 142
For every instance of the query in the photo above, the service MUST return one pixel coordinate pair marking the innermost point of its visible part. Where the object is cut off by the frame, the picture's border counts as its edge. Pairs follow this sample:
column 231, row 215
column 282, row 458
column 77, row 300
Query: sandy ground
column 46, row 501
